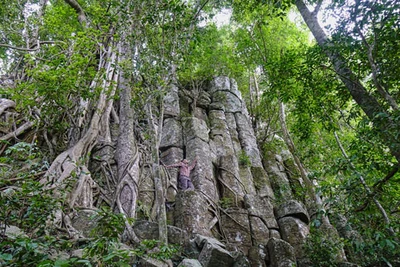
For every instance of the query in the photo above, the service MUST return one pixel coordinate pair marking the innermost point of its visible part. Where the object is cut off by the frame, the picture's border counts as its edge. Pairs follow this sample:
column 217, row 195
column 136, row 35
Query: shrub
column 322, row 248
column 244, row 159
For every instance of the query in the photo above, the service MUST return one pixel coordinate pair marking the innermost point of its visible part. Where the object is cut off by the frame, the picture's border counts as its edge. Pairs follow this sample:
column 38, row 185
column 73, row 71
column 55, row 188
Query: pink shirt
column 185, row 169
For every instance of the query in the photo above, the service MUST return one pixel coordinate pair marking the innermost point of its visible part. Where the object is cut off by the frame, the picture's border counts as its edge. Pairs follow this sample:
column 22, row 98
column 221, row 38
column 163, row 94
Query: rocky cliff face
column 232, row 217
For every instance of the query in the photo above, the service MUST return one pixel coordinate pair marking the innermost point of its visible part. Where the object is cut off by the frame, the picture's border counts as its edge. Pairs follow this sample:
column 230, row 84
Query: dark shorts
column 185, row 183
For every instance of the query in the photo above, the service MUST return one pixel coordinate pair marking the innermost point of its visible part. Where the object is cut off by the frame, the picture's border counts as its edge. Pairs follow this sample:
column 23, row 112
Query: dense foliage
column 64, row 62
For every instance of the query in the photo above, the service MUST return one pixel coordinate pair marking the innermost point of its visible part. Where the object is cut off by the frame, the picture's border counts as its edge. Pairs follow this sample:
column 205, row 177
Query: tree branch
column 199, row 10
column 20, row 48
column 79, row 10
column 33, row 48
column 17, row 132
column 366, row 187
column 317, row 8
column 371, row 60
column 387, row 177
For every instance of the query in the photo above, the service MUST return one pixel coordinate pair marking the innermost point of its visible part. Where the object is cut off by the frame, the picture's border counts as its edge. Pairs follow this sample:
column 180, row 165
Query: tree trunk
column 254, row 101
column 65, row 163
column 159, row 203
column 69, row 166
column 127, row 155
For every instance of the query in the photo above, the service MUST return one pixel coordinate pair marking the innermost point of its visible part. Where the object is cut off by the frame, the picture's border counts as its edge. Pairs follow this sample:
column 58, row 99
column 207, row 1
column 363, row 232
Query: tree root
column 17, row 132
column 230, row 189
column 216, row 213
column 6, row 104
column 83, row 190
column 236, row 178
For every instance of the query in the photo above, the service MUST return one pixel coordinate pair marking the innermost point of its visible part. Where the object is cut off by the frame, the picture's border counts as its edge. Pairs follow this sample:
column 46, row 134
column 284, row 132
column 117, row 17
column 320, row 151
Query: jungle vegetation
column 71, row 69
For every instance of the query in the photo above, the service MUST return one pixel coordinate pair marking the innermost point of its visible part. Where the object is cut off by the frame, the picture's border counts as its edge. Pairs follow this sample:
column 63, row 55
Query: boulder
column 13, row 232
column 221, row 83
column 212, row 125
column 259, row 206
column 281, row 253
column 257, row 255
column 294, row 231
column 171, row 103
column 194, row 127
column 204, row 99
column 231, row 102
column 240, row 260
column 259, row 231
column 212, row 255
column 149, row 230
column 190, row 263
column 236, row 225
column 150, row 262
column 201, row 240
column 191, row 213
column 172, row 134
column 295, row 209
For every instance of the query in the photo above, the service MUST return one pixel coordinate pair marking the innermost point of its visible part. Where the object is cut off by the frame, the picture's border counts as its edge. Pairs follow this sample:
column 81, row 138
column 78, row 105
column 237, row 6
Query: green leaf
column 6, row 256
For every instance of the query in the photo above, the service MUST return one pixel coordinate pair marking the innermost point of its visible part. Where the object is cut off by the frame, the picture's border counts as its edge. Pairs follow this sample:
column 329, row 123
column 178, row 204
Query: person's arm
column 179, row 164
column 191, row 167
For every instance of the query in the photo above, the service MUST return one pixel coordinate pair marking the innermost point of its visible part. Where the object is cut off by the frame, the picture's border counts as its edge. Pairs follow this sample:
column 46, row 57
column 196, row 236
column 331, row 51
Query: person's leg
column 180, row 183
column 186, row 183
column 183, row 183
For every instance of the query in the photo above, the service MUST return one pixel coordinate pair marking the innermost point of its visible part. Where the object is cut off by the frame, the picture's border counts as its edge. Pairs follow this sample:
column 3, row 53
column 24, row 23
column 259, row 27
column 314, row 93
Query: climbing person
column 184, row 182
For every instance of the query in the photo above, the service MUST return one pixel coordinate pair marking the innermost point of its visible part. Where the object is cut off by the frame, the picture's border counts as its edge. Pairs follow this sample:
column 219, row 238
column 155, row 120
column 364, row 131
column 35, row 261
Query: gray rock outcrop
column 190, row 263
column 234, row 198
column 215, row 255
column 281, row 253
